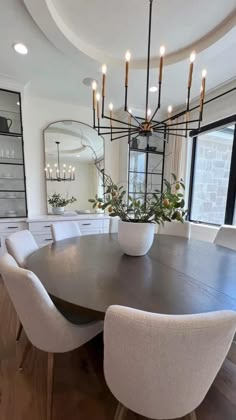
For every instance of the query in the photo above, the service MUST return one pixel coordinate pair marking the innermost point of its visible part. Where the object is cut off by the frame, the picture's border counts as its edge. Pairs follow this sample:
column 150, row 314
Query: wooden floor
column 80, row 392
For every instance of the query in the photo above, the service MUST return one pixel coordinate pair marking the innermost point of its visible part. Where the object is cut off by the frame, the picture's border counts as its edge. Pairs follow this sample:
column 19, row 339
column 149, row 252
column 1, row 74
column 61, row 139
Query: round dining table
column 177, row 276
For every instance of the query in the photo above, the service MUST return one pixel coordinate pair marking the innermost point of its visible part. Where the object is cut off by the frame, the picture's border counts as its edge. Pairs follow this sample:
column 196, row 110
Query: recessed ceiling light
column 20, row 48
column 78, row 156
column 153, row 89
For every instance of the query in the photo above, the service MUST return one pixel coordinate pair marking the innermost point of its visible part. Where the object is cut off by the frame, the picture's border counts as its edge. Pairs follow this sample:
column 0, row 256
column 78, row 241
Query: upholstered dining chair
column 226, row 236
column 44, row 325
column 161, row 366
column 176, row 229
column 20, row 245
column 65, row 230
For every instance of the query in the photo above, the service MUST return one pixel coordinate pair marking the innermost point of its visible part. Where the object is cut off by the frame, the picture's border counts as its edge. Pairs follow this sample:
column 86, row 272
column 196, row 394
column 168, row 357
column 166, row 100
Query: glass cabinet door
column 12, row 172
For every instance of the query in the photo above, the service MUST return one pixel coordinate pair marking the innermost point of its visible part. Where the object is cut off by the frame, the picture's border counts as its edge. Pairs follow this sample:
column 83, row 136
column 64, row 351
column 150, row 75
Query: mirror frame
column 44, row 152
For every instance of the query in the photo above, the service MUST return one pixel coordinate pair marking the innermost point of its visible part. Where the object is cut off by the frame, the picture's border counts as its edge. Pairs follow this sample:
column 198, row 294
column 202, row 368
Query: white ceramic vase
column 58, row 210
column 135, row 239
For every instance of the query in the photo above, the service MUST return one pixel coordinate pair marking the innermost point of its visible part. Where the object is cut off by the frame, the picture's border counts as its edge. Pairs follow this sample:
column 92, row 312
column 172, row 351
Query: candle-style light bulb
column 162, row 53
column 111, row 113
column 203, row 88
column 192, row 57
column 104, row 71
column 149, row 112
column 98, row 96
column 94, row 87
column 169, row 109
column 190, row 76
column 46, row 169
column 48, row 165
column 127, row 60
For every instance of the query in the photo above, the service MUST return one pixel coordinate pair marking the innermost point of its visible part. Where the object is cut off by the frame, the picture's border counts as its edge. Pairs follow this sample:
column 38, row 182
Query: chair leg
column 192, row 416
column 120, row 412
column 50, row 375
column 19, row 331
column 25, row 353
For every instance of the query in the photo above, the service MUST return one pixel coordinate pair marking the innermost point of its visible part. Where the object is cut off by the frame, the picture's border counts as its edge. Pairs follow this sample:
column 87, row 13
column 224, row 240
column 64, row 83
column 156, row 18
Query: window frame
column 231, row 192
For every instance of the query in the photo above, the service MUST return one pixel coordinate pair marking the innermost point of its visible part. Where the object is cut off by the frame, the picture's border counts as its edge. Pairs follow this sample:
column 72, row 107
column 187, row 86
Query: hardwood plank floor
column 80, row 391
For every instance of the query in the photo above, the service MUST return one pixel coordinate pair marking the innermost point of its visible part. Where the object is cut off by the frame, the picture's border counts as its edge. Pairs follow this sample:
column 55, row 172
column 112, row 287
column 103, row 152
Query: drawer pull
column 47, row 226
column 12, row 227
column 48, row 239
column 86, row 224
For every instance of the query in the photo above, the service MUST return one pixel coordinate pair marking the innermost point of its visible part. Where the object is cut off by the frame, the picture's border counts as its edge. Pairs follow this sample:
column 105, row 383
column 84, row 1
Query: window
column 213, row 174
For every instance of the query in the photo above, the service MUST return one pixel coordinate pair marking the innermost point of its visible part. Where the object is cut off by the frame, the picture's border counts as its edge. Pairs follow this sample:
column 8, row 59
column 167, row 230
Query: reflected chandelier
column 147, row 126
column 56, row 174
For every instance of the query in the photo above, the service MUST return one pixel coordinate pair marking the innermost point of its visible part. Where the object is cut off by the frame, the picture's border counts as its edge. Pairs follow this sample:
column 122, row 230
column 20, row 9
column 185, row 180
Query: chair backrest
column 65, row 230
column 161, row 366
column 20, row 245
column 176, row 229
column 226, row 236
column 44, row 325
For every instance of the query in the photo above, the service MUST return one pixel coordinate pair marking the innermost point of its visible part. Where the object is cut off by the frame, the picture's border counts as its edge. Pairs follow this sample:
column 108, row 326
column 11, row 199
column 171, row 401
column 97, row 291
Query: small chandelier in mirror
column 56, row 173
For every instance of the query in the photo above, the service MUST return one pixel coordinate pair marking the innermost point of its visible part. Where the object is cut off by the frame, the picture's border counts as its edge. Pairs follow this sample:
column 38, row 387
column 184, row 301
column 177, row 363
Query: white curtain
column 176, row 156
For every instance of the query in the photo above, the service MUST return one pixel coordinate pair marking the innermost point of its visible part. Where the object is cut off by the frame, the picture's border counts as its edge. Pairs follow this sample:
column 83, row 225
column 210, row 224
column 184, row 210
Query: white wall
column 38, row 113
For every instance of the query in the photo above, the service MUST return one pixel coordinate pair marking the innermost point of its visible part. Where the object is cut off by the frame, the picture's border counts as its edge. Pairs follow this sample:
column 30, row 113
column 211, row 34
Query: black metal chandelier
column 135, row 126
column 56, row 174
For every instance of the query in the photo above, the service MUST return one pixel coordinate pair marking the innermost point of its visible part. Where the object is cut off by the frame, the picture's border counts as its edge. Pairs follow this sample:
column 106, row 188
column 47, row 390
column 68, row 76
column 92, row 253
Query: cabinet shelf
column 11, row 161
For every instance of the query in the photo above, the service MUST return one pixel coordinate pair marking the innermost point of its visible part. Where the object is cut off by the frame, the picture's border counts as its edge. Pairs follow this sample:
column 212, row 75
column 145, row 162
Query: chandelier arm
column 143, row 119
column 135, row 118
column 118, row 121
column 148, row 57
column 118, row 132
column 153, row 115
column 117, row 128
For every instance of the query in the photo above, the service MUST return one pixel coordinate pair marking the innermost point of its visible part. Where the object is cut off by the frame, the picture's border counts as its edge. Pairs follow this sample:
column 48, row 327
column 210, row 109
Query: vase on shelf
column 58, row 210
column 135, row 239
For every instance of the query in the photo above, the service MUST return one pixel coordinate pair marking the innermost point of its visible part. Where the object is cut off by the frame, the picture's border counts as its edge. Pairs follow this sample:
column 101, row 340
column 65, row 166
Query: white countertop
column 13, row 219
column 52, row 217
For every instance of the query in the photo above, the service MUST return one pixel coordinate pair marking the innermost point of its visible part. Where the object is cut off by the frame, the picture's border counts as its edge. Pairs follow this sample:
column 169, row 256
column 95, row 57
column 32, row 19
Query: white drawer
column 43, row 240
column 90, row 224
column 10, row 227
column 40, row 226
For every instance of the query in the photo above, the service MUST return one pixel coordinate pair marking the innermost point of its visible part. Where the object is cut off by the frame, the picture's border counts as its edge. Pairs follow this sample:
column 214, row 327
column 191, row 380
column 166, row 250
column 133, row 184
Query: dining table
column 87, row 274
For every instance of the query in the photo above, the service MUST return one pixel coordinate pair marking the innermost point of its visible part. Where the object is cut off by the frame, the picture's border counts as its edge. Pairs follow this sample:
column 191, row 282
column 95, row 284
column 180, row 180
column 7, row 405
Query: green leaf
column 174, row 177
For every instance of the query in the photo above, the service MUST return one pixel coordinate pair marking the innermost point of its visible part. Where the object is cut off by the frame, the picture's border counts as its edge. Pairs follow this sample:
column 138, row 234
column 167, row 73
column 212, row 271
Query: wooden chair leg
column 120, row 412
column 19, row 331
column 25, row 353
column 50, row 376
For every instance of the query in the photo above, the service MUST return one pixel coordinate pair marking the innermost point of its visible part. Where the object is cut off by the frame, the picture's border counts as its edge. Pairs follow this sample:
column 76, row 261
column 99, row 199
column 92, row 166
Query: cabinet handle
column 86, row 224
column 47, row 226
column 12, row 227
column 48, row 239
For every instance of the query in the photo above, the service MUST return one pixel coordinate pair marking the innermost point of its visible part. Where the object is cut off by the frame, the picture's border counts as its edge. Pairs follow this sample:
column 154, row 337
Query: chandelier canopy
column 147, row 126
column 56, row 174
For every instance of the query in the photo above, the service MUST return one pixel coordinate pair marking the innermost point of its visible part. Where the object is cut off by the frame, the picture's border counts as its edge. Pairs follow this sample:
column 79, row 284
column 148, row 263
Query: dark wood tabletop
column 177, row 276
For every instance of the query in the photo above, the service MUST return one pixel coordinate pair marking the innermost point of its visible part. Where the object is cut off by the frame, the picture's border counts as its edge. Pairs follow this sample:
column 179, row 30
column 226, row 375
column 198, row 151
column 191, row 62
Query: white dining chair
column 44, row 325
column 65, row 230
column 226, row 236
column 161, row 366
column 20, row 245
column 176, row 229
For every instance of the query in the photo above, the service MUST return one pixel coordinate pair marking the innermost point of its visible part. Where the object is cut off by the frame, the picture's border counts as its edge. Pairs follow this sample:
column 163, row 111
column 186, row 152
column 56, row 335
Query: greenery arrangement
column 56, row 200
column 160, row 206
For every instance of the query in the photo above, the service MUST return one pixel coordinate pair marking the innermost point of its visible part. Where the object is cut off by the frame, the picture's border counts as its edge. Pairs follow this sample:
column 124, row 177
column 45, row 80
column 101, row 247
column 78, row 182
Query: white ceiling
column 69, row 40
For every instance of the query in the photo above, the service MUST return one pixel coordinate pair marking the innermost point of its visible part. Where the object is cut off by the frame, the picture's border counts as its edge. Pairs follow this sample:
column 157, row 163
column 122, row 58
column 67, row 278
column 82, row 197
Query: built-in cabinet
column 41, row 227
column 13, row 202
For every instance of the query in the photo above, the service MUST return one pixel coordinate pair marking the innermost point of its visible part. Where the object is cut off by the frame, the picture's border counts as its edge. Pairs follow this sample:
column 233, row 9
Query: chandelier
column 135, row 126
column 56, row 174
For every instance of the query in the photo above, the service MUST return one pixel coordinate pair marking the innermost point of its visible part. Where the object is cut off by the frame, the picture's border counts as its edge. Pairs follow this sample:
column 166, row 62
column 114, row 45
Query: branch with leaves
column 159, row 207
